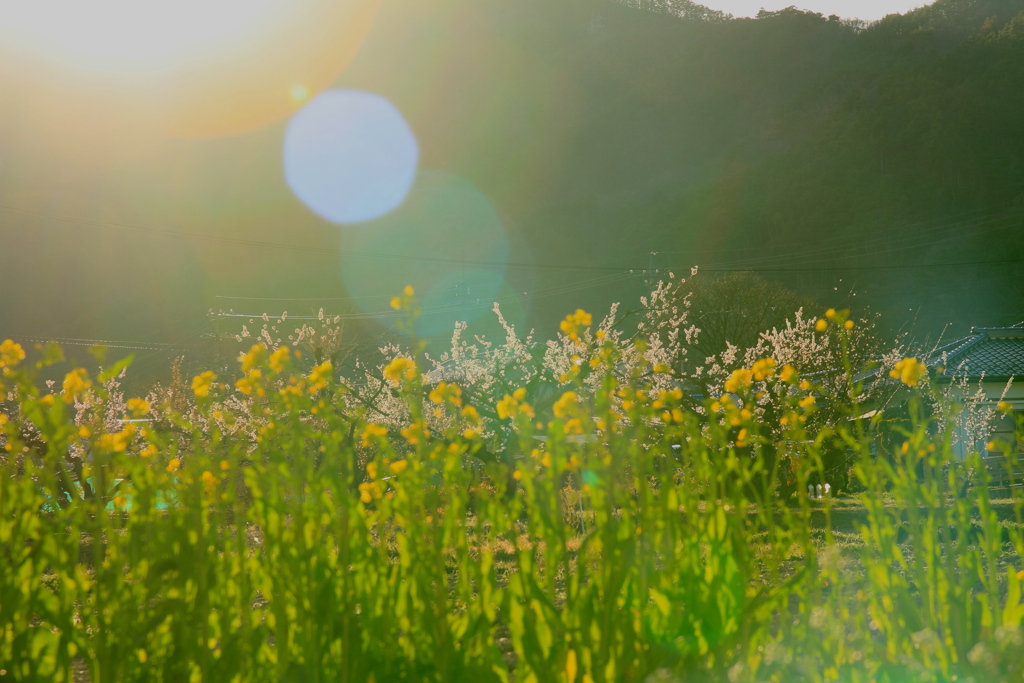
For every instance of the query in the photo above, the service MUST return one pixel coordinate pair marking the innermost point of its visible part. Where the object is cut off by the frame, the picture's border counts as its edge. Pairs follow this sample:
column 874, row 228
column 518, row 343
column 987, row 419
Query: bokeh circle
column 446, row 240
column 350, row 156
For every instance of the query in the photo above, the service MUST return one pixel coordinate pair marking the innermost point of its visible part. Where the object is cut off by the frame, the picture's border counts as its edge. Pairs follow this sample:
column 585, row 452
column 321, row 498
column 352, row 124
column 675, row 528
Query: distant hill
column 795, row 140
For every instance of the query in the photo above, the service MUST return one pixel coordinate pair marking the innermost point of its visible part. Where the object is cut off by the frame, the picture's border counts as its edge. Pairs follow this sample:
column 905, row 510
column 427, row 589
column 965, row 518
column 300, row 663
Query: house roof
column 995, row 352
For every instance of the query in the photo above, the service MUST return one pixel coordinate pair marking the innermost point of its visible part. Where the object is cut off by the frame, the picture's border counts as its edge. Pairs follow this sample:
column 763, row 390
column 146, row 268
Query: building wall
column 1001, row 426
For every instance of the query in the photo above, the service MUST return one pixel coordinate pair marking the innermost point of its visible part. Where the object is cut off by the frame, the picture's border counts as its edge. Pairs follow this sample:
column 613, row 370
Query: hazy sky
column 861, row 9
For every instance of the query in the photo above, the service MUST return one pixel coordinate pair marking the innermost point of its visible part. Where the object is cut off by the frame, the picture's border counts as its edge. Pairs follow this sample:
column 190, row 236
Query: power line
column 755, row 265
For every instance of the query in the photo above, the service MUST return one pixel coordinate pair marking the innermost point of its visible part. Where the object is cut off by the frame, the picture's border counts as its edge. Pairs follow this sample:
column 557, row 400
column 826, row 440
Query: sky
column 868, row 10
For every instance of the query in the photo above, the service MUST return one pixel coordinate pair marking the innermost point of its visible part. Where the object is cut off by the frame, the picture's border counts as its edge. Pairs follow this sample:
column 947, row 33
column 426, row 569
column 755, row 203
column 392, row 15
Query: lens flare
column 350, row 156
column 215, row 67
column 446, row 240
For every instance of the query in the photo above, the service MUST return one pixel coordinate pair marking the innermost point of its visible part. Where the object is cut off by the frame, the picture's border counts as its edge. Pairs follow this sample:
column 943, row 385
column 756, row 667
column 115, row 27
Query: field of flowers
column 594, row 519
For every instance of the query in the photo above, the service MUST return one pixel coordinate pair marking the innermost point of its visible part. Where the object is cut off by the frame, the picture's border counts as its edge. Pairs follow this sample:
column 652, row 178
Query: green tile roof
column 992, row 351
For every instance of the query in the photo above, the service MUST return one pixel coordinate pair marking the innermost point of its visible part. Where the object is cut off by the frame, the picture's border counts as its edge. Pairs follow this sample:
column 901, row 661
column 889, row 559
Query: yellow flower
column 415, row 432
column 471, row 415
column 318, row 377
column 371, row 432
column 75, row 382
column 513, row 405
column 396, row 303
column 278, row 359
column 148, row 451
column 252, row 358
column 116, row 442
column 369, row 490
column 788, row 373
column 739, row 380
column 848, row 325
column 806, row 402
column 1003, row 407
column 805, row 385
column 399, row 367
column 247, row 385
column 202, row 383
column 742, row 438
column 763, row 369
column 830, row 313
column 10, row 354
column 398, row 466
column 174, row 464
column 563, row 405
column 208, row 478
column 224, row 465
column 446, row 392
column 409, row 291
column 469, row 433
column 574, row 321
column 909, row 371
column 371, row 470
column 119, row 501
column 821, row 325
column 573, row 426
column 83, row 431
column 600, row 334
column 1020, row 575
column 138, row 406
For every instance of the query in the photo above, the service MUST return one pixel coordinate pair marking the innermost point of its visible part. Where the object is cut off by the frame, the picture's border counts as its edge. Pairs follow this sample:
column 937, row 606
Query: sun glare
column 217, row 67
column 131, row 36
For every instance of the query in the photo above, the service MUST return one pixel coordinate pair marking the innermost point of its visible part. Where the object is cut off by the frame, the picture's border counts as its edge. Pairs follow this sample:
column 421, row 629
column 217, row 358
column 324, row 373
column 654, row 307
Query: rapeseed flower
column 763, row 369
column 909, row 371
column 573, row 323
column 248, row 384
column 318, row 377
column 252, row 357
column 202, row 383
column 11, row 354
column 415, row 432
column 565, row 403
column 400, row 367
column 138, row 406
column 372, row 432
column 279, row 358
column 513, row 404
column 75, row 383
column 788, row 374
column 445, row 391
column 738, row 381
column 471, row 415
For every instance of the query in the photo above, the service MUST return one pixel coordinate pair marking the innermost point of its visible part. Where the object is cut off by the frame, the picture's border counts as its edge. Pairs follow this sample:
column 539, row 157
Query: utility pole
column 650, row 273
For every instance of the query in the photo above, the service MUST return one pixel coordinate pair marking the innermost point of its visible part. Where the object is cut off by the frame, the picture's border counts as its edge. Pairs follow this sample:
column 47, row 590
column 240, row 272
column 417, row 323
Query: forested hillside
column 796, row 141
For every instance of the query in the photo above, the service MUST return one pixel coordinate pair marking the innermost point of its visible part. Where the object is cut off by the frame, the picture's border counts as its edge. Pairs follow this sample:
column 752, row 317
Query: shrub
column 643, row 539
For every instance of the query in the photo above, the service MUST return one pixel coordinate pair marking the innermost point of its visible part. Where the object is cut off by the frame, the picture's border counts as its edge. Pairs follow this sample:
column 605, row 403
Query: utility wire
column 765, row 264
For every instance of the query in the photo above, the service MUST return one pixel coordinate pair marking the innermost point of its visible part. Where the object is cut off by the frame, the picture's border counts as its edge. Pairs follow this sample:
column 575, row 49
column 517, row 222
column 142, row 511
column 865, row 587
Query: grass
column 323, row 546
